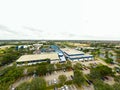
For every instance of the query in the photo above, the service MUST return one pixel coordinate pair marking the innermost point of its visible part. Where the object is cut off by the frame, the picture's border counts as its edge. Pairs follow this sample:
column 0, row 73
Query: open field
column 6, row 46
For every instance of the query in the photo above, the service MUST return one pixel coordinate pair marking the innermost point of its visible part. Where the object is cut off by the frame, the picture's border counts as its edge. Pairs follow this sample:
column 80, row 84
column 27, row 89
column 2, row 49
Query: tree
column 118, row 55
column 106, row 54
column 48, row 60
column 50, row 68
column 78, row 66
column 62, row 79
column 38, row 84
column 78, row 77
column 100, row 71
column 59, row 66
column 9, row 75
column 116, row 86
column 109, row 60
column 41, row 70
column 117, row 79
column 68, row 65
column 24, row 86
column 100, row 85
column 30, row 70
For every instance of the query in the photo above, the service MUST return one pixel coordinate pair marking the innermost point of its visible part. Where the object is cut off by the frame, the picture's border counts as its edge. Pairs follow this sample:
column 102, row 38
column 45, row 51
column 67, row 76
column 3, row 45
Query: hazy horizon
column 59, row 20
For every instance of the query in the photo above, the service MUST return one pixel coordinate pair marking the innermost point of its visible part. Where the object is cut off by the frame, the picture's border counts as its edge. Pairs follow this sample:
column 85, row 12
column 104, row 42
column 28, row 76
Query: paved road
column 22, row 80
column 5, row 66
column 91, row 87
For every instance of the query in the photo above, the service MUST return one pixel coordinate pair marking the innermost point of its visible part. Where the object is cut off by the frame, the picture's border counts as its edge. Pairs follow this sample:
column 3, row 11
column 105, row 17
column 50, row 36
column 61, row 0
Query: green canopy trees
column 79, row 78
column 100, row 71
column 62, row 79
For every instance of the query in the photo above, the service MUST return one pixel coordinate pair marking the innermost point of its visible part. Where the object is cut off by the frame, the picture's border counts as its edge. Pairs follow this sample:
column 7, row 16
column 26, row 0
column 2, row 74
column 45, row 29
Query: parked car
column 106, row 78
column 89, row 82
column 62, row 88
column 72, row 77
column 66, row 87
column 103, row 78
column 54, row 81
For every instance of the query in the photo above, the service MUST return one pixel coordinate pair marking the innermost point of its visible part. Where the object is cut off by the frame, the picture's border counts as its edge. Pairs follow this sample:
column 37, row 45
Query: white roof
column 71, row 51
column 81, row 56
column 51, row 56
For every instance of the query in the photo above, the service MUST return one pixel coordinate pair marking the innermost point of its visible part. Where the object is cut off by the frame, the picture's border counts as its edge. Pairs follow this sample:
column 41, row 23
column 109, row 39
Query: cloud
column 10, row 33
column 7, row 29
column 36, row 33
column 33, row 29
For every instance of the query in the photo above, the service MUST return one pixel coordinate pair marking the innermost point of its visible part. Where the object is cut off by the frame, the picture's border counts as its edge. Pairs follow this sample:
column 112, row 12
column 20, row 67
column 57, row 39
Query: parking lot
column 52, row 79
column 68, row 87
column 49, row 78
column 91, row 87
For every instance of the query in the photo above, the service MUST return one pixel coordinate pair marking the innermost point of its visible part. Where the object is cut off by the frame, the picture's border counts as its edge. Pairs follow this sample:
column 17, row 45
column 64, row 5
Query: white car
column 13, row 88
column 66, row 87
column 62, row 88
column 55, row 81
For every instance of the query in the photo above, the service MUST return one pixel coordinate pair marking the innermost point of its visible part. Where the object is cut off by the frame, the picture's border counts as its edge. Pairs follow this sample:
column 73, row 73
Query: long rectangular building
column 37, row 58
column 73, row 54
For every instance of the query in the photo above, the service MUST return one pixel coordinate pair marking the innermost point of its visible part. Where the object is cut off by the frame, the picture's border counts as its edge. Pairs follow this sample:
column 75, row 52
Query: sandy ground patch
column 110, row 81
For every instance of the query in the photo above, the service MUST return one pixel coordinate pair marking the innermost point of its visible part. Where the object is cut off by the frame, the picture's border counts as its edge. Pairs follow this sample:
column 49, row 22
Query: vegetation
column 109, row 60
column 44, row 68
column 8, row 56
column 37, row 83
column 68, row 65
column 118, row 55
column 30, row 70
column 11, row 54
column 100, row 71
column 58, row 65
column 62, row 79
column 9, row 76
column 117, row 79
column 106, row 54
column 78, row 66
column 50, row 68
column 78, row 77
column 100, row 85
column 116, row 86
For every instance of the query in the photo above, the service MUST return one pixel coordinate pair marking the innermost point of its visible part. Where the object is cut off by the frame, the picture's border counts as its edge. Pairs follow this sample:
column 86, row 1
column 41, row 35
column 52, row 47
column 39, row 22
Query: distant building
column 117, row 46
column 112, row 54
column 22, row 46
column 47, row 50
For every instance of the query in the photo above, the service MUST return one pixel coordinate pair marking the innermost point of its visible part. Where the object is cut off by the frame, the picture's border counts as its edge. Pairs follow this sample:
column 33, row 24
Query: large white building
column 73, row 55
column 37, row 58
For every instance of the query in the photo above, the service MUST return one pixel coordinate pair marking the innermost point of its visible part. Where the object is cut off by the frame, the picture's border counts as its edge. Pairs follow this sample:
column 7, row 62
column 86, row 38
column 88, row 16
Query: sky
column 60, row 19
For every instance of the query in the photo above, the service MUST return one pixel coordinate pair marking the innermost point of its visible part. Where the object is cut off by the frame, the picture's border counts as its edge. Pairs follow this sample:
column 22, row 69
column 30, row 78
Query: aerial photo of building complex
column 59, row 65
column 59, row 44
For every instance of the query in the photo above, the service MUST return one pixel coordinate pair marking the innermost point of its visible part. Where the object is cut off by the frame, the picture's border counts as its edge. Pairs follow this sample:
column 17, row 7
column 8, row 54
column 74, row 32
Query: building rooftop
column 52, row 56
column 71, row 51
column 81, row 56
